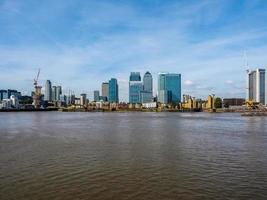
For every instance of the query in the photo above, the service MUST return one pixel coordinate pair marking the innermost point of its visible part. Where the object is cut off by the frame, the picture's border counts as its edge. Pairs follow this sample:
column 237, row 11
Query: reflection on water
column 132, row 156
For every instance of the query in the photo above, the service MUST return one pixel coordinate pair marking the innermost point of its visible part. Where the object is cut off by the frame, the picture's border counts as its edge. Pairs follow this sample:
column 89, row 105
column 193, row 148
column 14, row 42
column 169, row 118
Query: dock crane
column 37, row 92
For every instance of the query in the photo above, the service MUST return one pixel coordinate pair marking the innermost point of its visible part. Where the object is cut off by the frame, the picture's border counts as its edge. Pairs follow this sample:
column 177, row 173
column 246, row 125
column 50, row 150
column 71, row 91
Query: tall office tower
column 3, row 94
column 48, row 91
column 135, row 87
column 96, row 95
column 256, row 85
column 113, row 91
column 105, row 90
column 147, row 93
column 169, row 88
column 83, row 100
column 54, row 89
column 58, row 93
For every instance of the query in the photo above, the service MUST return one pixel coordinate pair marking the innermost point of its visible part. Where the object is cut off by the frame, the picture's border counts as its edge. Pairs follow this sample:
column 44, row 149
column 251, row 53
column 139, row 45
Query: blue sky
column 79, row 44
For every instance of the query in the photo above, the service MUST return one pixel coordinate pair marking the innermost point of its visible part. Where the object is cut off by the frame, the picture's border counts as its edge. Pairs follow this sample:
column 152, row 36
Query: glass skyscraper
column 135, row 87
column 169, row 88
column 48, row 91
column 147, row 93
column 113, row 91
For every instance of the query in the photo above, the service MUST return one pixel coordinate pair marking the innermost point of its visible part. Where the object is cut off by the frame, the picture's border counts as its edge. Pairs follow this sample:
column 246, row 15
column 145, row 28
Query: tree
column 218, row 102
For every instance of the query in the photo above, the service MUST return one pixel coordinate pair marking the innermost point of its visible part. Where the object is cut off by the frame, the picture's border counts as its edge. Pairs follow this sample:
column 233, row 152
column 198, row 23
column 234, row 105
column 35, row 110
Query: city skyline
column 91, row 42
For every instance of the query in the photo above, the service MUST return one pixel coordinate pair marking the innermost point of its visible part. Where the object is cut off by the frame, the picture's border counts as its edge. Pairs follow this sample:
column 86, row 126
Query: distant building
column 54, row 90
column 70, row 99
column 147, row 93
column 169, row 88
column 256, row 85
column 135, row 76
column 135, row 87
column 113, row 91
column 58, row 93
column 103, row 98
column 3, row 95
column 83, row 100
column 228, row 102
column 105, row 90
column 6, row 104
column 13, row 92
column 96, row 95
column 14, row 101
column 48, row 91
column 148, row 82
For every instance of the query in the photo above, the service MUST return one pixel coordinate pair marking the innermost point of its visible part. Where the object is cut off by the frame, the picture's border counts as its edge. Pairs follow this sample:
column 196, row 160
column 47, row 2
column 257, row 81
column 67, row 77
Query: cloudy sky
column 79, row 44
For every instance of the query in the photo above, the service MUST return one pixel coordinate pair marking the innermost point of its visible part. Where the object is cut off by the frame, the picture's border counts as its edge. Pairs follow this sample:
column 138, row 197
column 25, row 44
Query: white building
column 14, row 101
column 6, row 104
column 256, row 85
column 149, row 105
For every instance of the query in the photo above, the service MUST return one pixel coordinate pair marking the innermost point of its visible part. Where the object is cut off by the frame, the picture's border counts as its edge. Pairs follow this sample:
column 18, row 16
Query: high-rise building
column 3, row 95
column 256, row 85
column 148, row 82
column 113, row 91
column 105, row 90
column 135, row 87
column 96, row 95
column 58, row 93
column 48, row 91
column 147, row 93
column 83, row 100
column 54, row 89
column 135, row 76
column 169, row 88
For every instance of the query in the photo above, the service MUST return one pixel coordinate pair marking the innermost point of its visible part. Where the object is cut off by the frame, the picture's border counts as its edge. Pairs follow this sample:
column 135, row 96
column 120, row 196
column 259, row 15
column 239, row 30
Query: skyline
column 80, row 44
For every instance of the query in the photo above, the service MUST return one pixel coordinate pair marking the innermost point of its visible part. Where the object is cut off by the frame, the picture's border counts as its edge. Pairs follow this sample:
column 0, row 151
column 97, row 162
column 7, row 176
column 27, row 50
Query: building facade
column 169, row 88
column 96, row 95
column 83, row 100
column 113, row 91
column 256, row 85
column 58, row 93
column 135, row 87
column 48, row 91
column 105, row 90
column 3, row 95
column 147, row 93
column 54, row 89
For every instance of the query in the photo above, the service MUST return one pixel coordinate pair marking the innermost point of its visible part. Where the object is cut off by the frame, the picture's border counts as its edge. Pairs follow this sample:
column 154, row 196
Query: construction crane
column 37, row 92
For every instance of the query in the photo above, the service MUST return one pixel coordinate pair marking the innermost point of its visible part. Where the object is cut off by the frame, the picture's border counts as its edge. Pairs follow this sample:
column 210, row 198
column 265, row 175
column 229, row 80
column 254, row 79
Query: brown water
column 117, row 156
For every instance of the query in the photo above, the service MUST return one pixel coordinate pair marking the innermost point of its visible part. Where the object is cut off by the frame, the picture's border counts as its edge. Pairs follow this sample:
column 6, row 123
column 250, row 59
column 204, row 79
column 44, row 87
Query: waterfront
column 54, row 155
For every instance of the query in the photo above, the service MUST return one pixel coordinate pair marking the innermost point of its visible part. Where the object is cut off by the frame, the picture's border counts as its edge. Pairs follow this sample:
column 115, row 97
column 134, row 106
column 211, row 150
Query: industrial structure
column 37, row 97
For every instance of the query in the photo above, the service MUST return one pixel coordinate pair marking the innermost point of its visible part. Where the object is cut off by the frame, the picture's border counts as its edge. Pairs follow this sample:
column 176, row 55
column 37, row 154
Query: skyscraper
column 147, row 93
column 113, row 91
column 48, row 91
column 169, row 88
column 58, row 93
column 256, row 85
column 3, row 94
column 83, row 100
column 135, row 87
column 96, row 95
column 105, row 90
column 54, row 88
column 148, row 82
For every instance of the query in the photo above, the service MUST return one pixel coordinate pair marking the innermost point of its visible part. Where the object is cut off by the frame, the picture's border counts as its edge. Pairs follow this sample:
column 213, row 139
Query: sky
column 80, row 44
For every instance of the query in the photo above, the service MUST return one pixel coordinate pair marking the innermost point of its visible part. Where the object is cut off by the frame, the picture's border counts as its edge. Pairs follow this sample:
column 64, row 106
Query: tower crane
column 37, row 97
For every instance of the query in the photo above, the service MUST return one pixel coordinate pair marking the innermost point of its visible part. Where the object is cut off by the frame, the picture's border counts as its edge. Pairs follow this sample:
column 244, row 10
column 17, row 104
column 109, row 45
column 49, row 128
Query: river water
column 68, row 156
